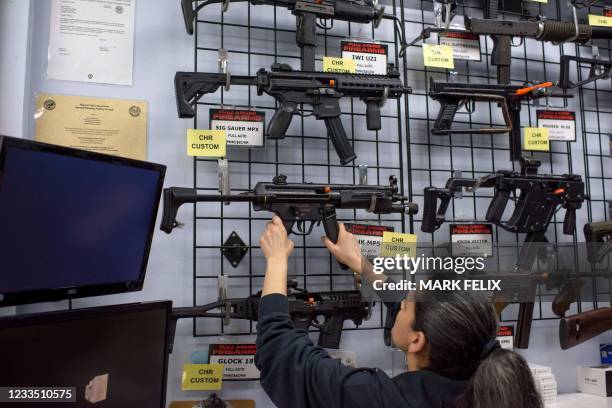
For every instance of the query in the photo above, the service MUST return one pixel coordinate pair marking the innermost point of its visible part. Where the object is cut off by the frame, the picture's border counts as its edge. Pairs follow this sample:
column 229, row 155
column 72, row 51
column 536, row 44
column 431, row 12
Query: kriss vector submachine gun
column 509, row 98
column 539, row 198
column 299, row 203
column 598, row 237
column 325, row 311
column 292, row 89
column 503, row 31
column 307, row 12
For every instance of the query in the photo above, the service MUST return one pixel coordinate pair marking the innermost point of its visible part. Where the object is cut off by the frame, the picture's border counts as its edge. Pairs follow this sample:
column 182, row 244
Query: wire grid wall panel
column 256, row 37
column 433, row 159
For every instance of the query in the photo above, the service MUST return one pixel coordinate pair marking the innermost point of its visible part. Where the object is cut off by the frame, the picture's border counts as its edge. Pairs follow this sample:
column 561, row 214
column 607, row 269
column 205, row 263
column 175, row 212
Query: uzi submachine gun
column 598, row 237
column 539, row 198
column 307, row 12
column 293, row 89
column 325, row 311
column 503, row 31
column 299, row 203
column 508, row 97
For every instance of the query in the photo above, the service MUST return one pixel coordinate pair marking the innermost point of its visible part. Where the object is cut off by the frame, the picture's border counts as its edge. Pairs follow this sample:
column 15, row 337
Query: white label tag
column 244, row 128
column 369, row 237
column 466, row 46
column 561, row 125
column 505, row 336
column 472, row 239
column 370, row 58
column 238, row 360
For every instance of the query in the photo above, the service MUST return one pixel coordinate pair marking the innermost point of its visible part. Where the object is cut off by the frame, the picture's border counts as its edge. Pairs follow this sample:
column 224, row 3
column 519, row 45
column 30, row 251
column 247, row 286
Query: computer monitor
column 113, row 356
column 73, row 223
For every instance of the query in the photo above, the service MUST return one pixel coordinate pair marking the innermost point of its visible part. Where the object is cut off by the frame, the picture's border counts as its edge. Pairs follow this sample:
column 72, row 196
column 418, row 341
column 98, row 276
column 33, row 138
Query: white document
column 92, row 41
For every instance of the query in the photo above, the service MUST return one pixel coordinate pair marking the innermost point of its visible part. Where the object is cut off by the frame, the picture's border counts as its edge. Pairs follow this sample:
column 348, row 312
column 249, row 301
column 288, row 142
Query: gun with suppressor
column 325, row 311
column 599, row 240
column 508, row 97
column 297, row 204
column 598, row 69
column 306, row 13
column 577, row 329
column 503, row 31
column 292, row 89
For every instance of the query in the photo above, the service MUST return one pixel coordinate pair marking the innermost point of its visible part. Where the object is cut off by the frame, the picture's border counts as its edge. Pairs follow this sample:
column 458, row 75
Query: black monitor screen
column 114, row 356
column 73, row 223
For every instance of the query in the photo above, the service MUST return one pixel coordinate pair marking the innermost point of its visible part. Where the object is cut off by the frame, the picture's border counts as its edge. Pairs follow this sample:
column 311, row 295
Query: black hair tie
column 489, row 348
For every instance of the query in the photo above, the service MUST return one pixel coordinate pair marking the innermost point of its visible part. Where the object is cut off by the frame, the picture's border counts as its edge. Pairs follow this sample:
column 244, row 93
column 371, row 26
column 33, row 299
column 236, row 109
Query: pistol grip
column 330, row 332
column 497, row 206
column 330, row 225
column 281, row 120
column 373, row 117
column 341, row 143
column 446, row 116
column 569, row 222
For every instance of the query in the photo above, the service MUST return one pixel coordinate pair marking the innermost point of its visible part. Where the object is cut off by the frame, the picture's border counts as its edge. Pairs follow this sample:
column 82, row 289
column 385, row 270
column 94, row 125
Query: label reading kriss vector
column 244, row 128
column 561, row 125
column 238, row 360
column 369, row 237
column 370, row 58
column 466, row 46
column 472, row 239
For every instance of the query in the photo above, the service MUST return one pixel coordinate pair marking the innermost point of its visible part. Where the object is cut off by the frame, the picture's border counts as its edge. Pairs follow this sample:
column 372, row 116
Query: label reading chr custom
column 561, row 125
column 244, row 128
column 370, row 58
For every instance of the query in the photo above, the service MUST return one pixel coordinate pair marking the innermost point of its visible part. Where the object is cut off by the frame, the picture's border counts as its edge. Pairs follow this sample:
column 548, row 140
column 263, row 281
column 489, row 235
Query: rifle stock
column 577, row 329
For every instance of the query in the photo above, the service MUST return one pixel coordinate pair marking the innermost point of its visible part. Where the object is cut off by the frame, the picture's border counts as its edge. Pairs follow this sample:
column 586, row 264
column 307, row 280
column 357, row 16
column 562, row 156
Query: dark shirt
column 297, row 374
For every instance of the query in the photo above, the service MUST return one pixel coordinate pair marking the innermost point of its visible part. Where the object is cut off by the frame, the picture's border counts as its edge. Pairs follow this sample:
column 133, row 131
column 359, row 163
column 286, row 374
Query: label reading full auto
column 244, row 128
column 369, row 237
column 238, row 360
column 561, row 125
column 466, row 46
column 472, row 239
column 370, row 58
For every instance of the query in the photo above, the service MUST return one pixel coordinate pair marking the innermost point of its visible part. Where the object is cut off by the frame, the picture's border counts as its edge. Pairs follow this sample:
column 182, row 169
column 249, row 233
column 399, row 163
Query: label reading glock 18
column 238, row 360
column 244, row 128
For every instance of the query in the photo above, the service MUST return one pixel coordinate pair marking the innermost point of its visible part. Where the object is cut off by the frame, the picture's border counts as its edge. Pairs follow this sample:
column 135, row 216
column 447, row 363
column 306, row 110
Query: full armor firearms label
column 244, row 128
column 369, row 237
column 238, row 360
column 472, row 239
column 505, row 336
column 561, row 125
column 466, row 46
column 370, row 58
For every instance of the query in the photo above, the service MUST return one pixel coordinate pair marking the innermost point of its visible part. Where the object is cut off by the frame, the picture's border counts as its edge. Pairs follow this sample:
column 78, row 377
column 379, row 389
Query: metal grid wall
column 256, row 37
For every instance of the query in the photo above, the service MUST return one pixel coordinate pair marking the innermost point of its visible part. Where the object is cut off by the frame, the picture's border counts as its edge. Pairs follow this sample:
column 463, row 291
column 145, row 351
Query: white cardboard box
column 596, row 380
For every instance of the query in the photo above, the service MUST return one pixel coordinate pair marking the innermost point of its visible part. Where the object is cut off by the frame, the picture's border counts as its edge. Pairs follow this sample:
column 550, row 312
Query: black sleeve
column 295, row 373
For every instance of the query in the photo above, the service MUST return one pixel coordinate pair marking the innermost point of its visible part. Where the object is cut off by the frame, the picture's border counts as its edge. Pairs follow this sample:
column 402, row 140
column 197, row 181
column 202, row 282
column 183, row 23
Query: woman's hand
column 346, row 250
column 274, row 241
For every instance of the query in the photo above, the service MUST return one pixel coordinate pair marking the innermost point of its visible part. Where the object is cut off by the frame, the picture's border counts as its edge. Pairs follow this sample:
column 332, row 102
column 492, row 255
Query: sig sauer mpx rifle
column 299, row 203
column 307, row 12
column 509, row 98
column 325, row 311
column 292, row 89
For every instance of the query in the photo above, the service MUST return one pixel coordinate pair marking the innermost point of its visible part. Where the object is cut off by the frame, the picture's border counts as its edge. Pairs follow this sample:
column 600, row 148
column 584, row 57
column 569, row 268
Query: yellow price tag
column 536, row 139
column 396, row 243
column 198, row 377
column 438, row 56
column 339, row 65
column 206, row 143
column 601, row 21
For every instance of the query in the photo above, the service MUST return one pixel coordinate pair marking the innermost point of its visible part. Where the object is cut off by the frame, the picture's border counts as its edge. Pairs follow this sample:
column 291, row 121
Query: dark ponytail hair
column 460, row 328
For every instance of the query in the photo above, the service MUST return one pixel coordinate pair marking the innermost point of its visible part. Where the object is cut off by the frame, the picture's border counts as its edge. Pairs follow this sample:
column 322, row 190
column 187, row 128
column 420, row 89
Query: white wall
column 161, row 48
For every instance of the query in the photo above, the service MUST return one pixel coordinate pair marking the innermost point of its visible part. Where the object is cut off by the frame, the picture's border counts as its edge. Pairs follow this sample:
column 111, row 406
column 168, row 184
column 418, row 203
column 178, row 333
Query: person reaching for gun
column 452, row 355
